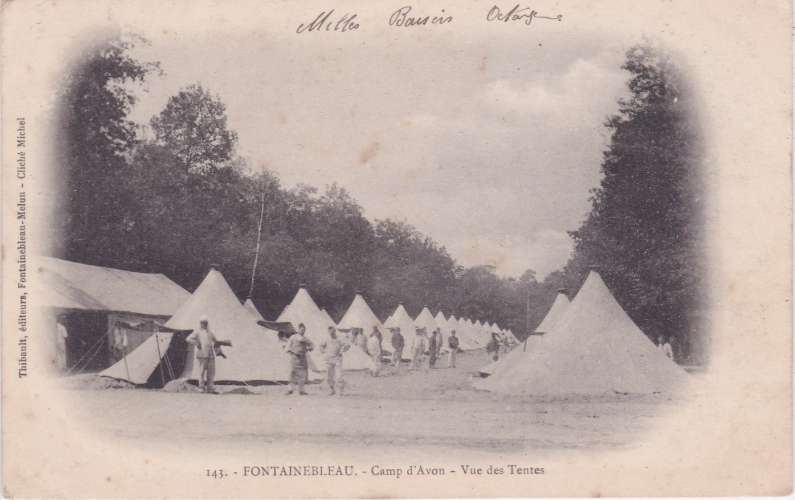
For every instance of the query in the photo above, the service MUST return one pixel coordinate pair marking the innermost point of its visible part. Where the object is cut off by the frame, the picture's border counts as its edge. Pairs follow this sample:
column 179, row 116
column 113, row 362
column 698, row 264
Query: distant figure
column 118, row 349
column 493, row 347
column 433, row 349
column 418, row 348
column 665, row 346
column 298, row 346
column 332, row 349
column 452, row 343
column 374, row 349
column 204, row 341
column 61, row 335
column 398, row 342
column 380, row 337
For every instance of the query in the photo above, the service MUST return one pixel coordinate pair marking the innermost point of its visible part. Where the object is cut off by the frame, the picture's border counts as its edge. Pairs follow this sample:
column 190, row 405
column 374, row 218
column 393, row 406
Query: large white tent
column 559, row 306
column 514, row 356
column 467, row 338
column 594, row 348
column 400, row 319
column 328, row 317
column 255, row 354
column 481, row 334
column 360, row 316
column 425, row 320
column 304, row 309
column 138, row 366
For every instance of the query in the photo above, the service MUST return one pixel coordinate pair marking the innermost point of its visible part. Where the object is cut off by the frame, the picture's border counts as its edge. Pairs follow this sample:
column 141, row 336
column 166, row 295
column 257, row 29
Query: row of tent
column 257, row 354
column 587, row 346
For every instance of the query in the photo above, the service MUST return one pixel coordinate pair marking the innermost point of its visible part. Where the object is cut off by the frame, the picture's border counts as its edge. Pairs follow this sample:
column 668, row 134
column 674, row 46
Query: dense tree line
column 181, row 200
column 645, row 228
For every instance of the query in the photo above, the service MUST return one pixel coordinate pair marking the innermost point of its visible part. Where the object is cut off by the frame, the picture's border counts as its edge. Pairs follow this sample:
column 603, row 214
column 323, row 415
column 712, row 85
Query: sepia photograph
column 272, row 249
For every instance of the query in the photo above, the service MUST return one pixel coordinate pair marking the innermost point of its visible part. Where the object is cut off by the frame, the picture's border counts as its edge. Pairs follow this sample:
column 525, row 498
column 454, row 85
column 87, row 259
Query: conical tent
column 554, row 314
column 360, row 316
column 138, row 366
column 512, row 335
column 425, row 320
column 481, row 335
column 481, row 338
column 249, row 305
column 466, row 336
column 255, row 354
column 401, row 319
column 516, row 355
column 303, row 309
column 441, row 321
column 480, row 328
column 595, row 348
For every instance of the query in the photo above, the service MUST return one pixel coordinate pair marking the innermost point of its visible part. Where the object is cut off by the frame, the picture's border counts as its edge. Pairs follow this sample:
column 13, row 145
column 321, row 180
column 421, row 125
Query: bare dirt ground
column 435, row 409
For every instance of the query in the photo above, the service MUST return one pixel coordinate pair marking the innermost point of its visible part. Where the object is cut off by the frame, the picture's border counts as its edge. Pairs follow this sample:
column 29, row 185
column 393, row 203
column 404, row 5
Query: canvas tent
column 250, row 307
column 595, row 348
column 82, row 307
column 154, row 362
column 514, row 356
column 509, row 335
column 255, row 355
column 359, row 317
column 401, row 319
column 303, row 309
column 559, row 306
column 425, row 320
column 467, row 339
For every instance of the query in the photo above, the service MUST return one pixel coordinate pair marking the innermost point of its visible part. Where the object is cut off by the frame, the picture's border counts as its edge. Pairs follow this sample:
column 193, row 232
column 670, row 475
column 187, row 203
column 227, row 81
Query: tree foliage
column 93, row 138
column 644, row 230
column 193, row 127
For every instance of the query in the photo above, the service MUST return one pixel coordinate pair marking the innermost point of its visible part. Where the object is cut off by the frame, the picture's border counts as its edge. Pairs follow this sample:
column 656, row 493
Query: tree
column 94, row 140
column 193, row 125
column 644, row 230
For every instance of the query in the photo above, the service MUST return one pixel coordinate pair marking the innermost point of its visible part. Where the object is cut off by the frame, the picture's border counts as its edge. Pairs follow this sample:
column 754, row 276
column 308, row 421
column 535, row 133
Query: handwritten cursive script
column 518, row 13
column 325, row 22
column 402, row 17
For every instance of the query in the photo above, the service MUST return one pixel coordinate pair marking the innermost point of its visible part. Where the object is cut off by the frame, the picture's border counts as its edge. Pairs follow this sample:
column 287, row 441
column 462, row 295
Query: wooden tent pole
column 259, row 239
column 160, row 358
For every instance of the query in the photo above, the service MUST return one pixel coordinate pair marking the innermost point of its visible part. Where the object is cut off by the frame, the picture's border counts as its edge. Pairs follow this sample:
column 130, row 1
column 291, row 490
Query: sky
column 487, row 145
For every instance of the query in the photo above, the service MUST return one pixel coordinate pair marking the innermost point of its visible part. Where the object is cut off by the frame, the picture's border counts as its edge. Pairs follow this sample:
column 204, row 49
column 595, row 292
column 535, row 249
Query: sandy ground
column 436, row 409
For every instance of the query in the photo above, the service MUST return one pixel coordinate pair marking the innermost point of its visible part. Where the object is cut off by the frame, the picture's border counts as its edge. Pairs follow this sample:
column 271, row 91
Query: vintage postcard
column 369, row 249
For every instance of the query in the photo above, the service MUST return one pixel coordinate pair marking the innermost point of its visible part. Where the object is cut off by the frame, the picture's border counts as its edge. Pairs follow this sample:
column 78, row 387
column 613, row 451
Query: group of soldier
column 425, row 352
